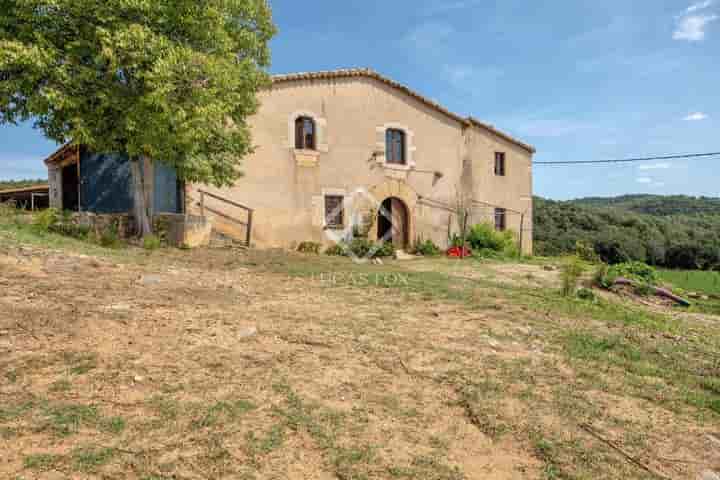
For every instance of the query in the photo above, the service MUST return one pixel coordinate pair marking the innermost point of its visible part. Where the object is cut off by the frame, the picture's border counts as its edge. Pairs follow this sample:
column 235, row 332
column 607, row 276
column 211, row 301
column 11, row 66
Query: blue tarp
column 106, row 185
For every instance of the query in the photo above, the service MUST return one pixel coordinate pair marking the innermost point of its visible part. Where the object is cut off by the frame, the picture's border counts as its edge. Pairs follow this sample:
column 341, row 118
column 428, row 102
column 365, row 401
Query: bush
column 336, row 250
column 484, row 238
column 47, row 218
column 151, row 242
column 602, row 277
column 427, row 248
column 109, row 238
column 309, row 247
column 362, row 248
column 81, row 232
column 585, row 251
column 8, row 209
column 586, row 294
column 641, row 273
column 570, row 272
column 638, row 271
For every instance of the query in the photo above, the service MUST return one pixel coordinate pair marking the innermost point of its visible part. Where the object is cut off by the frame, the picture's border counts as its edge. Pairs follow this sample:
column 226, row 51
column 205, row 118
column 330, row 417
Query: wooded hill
column 667, row 231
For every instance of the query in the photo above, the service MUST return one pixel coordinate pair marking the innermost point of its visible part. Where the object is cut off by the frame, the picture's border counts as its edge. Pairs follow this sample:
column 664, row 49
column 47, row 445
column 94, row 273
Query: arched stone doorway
column 393, row 222
column 400, row 191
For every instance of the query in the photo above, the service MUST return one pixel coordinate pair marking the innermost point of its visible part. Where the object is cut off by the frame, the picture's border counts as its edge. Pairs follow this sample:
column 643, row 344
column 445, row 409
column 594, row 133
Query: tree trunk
column 142, row 216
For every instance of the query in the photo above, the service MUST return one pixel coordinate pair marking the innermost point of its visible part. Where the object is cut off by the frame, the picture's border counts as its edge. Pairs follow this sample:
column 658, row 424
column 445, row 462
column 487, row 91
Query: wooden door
column 399, row 223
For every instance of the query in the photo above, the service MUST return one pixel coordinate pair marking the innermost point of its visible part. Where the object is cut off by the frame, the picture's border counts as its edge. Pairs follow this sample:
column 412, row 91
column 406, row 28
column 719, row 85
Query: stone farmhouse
column 337, row 153
column 352, row 150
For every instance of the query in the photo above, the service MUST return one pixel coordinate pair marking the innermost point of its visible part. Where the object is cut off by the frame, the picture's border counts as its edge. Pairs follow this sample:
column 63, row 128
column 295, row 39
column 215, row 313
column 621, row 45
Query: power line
column 630, row 160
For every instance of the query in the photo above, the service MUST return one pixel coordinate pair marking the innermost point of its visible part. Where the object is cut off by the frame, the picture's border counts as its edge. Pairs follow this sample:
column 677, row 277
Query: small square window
column 334, row 212
column 500, row 219
column 500, row 164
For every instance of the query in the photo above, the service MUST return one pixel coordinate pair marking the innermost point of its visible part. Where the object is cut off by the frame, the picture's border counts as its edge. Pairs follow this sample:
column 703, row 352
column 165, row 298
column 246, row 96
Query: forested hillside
column 673, row 231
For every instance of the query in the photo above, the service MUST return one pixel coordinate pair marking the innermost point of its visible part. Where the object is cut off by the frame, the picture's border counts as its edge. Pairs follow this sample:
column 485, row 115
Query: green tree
column 169, row 80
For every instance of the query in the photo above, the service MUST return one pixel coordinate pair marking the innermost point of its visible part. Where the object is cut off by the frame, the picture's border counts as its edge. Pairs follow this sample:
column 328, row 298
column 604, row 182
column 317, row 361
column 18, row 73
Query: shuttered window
column 305, row 133
column 500, row 219
column 334, row 211
column 395, row 146
column 500, row 164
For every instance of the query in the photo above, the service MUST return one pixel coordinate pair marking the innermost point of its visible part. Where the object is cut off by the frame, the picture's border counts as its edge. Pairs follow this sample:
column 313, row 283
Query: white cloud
column 655, row 166
column 650, row 182
column 699, row 6
column 692, row 28
column 695, row 117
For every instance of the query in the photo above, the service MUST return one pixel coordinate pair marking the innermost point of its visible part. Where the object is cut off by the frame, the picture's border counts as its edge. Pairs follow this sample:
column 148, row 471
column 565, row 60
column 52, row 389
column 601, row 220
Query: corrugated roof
column 369, row 73
column 34, row 188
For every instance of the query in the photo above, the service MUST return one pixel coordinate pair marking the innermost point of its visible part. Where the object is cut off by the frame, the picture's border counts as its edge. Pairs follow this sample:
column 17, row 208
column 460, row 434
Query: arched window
column 305, row 133
column 395, row 146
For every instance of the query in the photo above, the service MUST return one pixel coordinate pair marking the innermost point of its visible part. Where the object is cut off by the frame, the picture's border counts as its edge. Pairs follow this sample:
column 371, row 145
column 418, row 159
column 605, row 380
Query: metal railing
column 247, row 210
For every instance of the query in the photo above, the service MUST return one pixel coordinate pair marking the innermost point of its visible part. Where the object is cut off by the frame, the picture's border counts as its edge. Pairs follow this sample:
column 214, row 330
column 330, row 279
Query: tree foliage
column 173, row 80
column 673, row 232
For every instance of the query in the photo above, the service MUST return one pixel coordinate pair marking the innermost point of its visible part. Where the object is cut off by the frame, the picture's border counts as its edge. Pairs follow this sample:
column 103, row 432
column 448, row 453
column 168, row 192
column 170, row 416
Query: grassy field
column 269, row 365
column 693, row 280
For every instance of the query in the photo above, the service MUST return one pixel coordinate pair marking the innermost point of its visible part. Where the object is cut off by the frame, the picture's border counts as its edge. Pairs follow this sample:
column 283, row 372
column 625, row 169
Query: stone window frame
column 381, row 146
column 347, row 206
column 321, row 143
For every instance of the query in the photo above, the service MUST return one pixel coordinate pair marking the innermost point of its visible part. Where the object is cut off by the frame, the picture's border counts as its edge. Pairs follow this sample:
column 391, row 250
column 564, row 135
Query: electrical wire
column 631, row 160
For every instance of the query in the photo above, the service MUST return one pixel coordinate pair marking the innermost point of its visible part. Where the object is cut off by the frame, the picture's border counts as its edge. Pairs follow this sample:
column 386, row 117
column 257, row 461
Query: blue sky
column 580, row 80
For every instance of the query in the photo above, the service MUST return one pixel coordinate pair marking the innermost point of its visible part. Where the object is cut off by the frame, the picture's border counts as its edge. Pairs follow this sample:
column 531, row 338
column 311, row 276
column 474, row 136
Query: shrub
column 8, row 210
column 336, row 250
column 362, row 248
column 151, row 242
column 309, row 247
column 571, row 271
column 47, row 218
column 109, row 238
column 586, row 294
column 638, row 271
column 427, row 248
column 585, row 251
column 601, row 278
column 484, row 238
column 80, row 232
column 484, row 235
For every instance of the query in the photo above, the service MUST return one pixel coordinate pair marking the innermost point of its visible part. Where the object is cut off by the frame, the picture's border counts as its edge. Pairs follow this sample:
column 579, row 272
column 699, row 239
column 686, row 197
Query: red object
column 457, row 252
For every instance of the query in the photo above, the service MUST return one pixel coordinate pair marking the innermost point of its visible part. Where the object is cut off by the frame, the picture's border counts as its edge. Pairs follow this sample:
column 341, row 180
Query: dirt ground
column 228, row 364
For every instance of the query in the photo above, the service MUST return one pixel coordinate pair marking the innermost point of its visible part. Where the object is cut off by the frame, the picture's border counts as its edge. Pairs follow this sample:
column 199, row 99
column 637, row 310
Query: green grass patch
column 700, row 281
column 42, row 461
column 65, row 420
column 225, row 411
column 90, row 459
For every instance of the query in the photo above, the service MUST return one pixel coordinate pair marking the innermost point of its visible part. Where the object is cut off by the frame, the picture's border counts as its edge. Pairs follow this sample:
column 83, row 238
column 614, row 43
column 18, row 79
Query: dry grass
column 150, row 367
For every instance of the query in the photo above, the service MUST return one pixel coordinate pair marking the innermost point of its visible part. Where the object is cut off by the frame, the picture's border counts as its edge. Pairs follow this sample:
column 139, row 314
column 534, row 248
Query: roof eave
column 369, row 73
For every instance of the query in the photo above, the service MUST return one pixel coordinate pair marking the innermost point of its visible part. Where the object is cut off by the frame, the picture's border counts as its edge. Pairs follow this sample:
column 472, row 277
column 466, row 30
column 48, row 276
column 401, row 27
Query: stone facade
column 445, row 157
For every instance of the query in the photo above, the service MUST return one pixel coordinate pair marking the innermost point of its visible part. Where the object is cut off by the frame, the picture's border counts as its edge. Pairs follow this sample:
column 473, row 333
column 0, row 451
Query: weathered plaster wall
column 286, row 187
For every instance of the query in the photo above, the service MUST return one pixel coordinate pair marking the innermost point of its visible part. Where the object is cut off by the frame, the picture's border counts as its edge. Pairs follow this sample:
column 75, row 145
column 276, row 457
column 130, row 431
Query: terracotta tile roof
column 59, row 153
column 369, row 73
